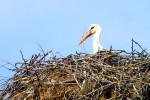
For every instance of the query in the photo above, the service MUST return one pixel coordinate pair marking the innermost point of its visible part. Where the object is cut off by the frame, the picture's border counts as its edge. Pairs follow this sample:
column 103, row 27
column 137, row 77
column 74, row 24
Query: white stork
column 94, row 29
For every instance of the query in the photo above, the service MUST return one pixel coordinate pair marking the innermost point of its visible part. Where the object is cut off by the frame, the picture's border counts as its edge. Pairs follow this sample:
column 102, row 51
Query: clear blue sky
column 58, row 25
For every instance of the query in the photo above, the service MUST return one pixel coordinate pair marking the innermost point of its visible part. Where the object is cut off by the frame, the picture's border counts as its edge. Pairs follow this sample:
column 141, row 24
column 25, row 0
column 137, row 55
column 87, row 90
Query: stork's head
column 92, row 30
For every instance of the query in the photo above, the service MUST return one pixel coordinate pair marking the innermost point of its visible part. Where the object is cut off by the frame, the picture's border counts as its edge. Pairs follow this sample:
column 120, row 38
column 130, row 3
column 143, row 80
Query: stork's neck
column 96, row 42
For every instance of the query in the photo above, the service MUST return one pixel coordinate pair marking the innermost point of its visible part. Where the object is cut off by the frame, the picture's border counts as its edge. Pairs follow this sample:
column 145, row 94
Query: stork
column 95, row 30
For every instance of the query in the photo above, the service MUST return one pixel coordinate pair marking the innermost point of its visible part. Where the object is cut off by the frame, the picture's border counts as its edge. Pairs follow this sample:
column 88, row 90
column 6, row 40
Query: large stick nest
column 113, row 74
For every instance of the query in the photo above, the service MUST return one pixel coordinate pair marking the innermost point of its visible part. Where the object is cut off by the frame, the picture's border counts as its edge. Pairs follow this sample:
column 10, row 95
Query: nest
column 109, row 74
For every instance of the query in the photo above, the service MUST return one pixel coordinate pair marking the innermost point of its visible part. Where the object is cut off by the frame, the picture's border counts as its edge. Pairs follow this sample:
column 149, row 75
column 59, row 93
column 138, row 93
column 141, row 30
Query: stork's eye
column 92, row 27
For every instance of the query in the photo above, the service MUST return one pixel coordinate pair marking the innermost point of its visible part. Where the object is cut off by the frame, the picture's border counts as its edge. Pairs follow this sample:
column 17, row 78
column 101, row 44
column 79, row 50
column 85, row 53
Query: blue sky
column 58, row 25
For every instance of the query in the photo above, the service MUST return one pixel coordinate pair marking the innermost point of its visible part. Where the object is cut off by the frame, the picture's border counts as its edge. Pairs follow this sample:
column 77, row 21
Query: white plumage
column 95, row 30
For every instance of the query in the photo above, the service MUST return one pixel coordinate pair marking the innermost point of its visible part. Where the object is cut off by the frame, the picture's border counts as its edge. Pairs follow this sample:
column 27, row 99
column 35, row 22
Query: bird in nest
column 95, row 30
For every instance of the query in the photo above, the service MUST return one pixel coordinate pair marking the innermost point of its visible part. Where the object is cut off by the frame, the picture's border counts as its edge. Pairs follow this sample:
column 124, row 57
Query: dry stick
column 132, row 50
column 136, row 90
column 22, row 56
column 40, row 48
column 4, row 77
column 43, row 56
column 99, row 56
column 110, row 49
column 83, row 43
column 3, row 65
column 139, row 46
column 77, row 81
column 76, row 64
column 9, row 63
column 147, row 56
column 105, row 55
column 60, row 54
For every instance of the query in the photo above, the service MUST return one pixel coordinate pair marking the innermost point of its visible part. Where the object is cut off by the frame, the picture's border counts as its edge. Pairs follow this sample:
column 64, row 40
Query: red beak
column 88, row 34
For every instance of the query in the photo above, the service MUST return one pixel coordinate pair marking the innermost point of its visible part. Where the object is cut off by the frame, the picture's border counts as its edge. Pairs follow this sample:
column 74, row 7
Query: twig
column 41, row 49
column 83, row 43
column 77, row 81
column 139, row 46
column 9, row 63
column 22, row 56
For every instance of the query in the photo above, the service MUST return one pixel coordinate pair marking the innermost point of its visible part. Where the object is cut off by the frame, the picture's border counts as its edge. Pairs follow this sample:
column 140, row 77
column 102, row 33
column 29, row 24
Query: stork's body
column 94, row 29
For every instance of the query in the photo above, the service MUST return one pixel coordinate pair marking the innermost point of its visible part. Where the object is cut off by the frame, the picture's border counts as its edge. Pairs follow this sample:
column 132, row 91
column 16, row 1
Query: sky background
column 58, row 25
